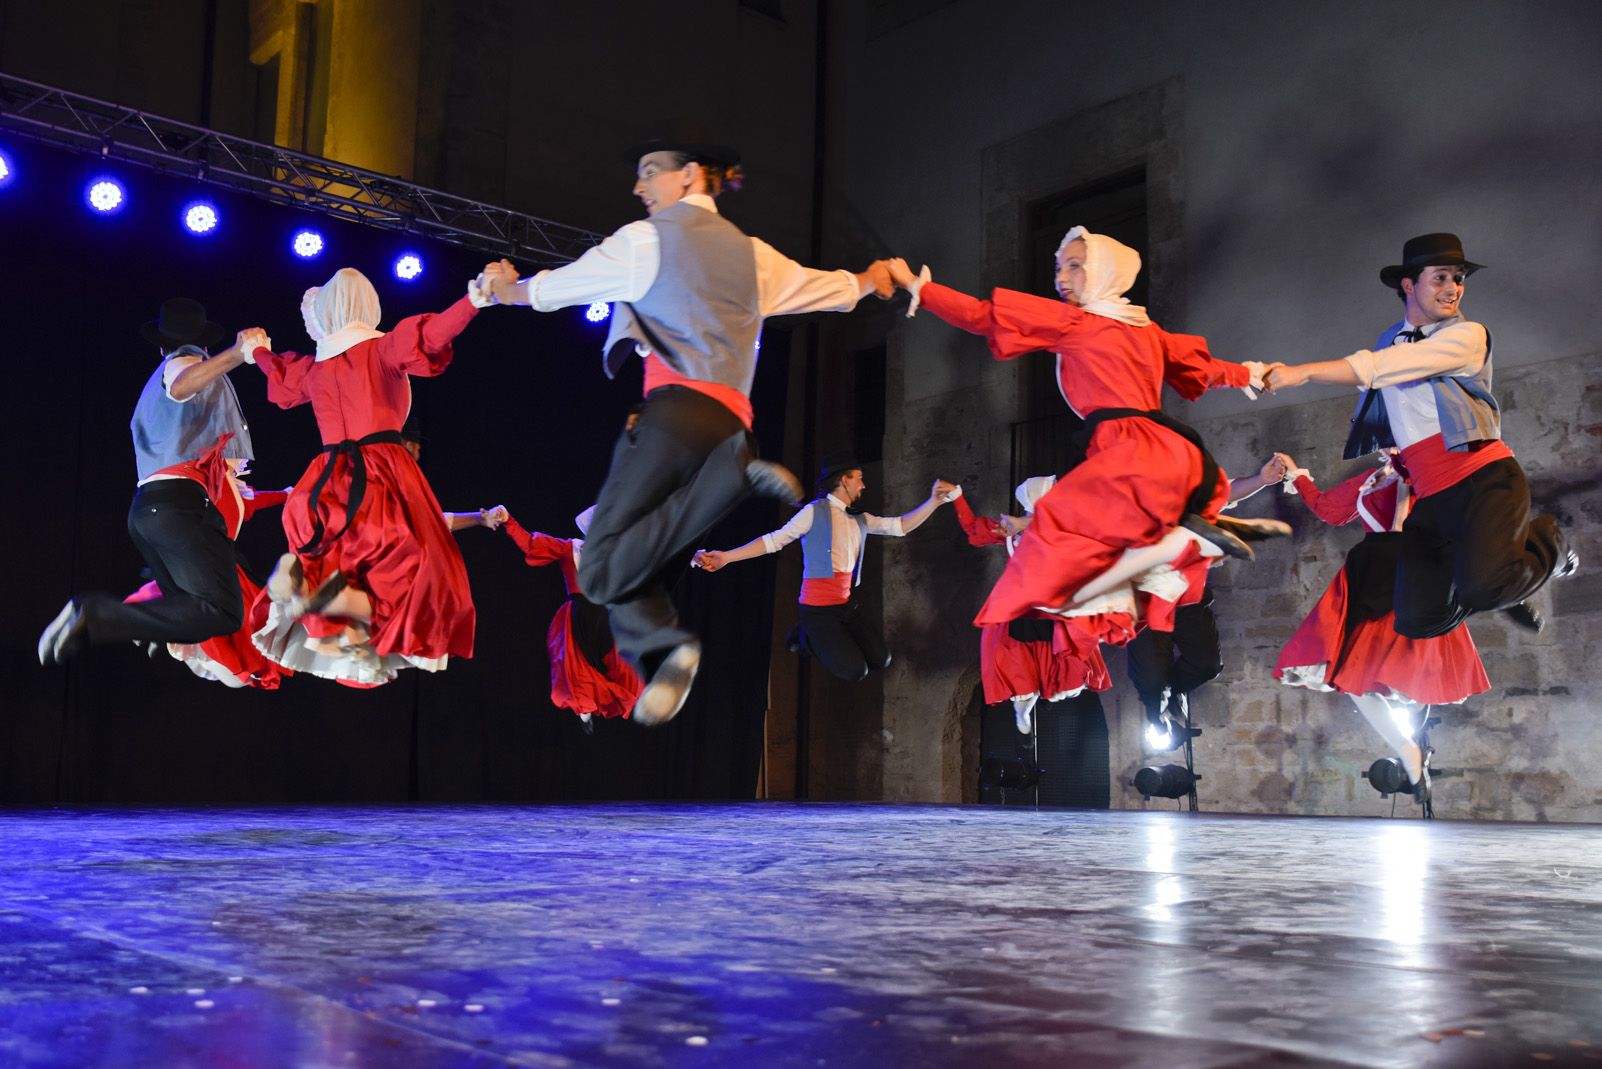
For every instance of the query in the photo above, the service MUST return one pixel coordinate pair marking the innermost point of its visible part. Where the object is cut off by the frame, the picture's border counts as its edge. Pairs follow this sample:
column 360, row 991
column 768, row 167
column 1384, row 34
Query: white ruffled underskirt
column 348, row 656
column 1313, row 677
column 194, row 658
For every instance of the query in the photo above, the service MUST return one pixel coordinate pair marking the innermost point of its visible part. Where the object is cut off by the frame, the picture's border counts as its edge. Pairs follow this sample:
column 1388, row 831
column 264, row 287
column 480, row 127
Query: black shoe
column 664, row 696
column 1568, row 563
column 793, row 642
column 587, row 723
column 773, row 480
column 1253, row 530
column 1421, row 790
column 1526, row 616
column 1219, row 537
column 66, row 636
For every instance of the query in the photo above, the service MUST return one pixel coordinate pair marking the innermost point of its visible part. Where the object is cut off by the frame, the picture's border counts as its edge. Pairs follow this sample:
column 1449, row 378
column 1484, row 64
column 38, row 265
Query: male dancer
column 690, row 291
column 1470, row 543
column 833, row 543
column 186, row 406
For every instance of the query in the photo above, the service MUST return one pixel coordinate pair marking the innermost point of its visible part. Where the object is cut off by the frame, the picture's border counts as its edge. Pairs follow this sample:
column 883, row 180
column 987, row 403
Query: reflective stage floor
column 780, row 935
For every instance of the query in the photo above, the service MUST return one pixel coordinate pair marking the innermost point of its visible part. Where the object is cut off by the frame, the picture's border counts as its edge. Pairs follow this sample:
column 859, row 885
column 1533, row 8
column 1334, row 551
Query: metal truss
column 270, row 173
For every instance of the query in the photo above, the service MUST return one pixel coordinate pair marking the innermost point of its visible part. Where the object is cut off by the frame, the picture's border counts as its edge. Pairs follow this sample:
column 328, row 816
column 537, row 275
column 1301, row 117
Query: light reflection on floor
column 776, row 935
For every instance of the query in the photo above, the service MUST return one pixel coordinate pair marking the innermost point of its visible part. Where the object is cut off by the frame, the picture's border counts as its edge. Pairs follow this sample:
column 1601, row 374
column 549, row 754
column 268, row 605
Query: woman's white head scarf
column 1110, row 269
column 1032, row 490
column 341, row 312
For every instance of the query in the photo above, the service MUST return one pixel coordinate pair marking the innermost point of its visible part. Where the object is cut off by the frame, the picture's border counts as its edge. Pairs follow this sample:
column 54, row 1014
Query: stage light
column 408, row 266
column 597, row 312
column 1010, row 772
column 200, row 217
column 1165, row 781
column 1389, row 776
column 1160, row 737
column 6, row 170
column 307, row 244
column 105, row 195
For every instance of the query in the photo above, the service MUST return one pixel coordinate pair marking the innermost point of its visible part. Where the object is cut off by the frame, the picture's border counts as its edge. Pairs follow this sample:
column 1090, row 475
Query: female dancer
column 375, row 582
column 588, row 675
column 1018, row 662
column 1348, row 642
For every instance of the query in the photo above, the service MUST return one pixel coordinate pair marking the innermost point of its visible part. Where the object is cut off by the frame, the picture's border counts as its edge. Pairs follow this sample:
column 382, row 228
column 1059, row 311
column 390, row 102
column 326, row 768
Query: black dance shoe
column 66, row 636
column 1211, row 532
column 768, row 479
column 664, row 696
column 1526, row 616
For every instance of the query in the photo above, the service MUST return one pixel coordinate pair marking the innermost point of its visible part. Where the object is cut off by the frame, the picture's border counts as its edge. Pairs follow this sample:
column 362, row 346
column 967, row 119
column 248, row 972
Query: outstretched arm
column 203, row 373
column 712, row 559
column 1272, row 471
column 939, row 494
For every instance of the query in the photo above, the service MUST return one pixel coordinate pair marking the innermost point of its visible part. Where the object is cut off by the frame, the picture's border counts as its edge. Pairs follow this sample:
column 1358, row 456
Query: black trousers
column 1153, row 666
column 675, row 473
column 843, row 641
column 1472, row 548
column 185, row 543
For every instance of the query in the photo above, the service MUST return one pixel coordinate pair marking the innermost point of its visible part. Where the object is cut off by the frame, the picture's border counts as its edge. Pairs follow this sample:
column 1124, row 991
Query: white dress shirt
column 845, row 542
column 624, row 265
column 1402, row 372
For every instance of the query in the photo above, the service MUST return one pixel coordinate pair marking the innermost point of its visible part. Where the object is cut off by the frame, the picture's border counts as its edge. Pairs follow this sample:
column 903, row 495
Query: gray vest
column 702, row 314
column 817, row 545
column 166, row 432
column 1467, row 410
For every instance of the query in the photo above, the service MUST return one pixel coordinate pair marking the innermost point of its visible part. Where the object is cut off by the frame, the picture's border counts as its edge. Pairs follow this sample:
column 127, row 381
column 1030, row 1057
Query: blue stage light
column 597, row 312
column 307, row 244
column 6, row 169
column 408, row 266
column 105, row 195
column 200, row 217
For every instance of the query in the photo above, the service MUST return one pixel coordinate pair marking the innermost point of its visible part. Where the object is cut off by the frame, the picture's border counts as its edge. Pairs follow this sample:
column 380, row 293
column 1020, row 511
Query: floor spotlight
column 105, row 195
column 200, row 217
column 1012, row 773
column 1165, row 781
column 306, row 244
column 408, row 266
column 1389, row 776
column 597, row 312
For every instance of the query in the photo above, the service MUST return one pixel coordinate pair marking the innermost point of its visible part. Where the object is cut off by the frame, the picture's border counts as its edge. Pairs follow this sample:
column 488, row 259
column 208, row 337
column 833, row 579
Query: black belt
column 351, row 447
column 1202, row 495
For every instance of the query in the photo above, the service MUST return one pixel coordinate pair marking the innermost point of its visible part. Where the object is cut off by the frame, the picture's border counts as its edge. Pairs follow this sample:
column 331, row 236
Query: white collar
column 836, row 502
column 700, row 200
column 331, row 345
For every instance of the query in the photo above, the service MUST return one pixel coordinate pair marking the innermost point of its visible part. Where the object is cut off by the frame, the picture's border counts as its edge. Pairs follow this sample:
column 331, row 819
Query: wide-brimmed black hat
column 835, row 463
column 692, row 143
column 182, row 321
column 1426, row 250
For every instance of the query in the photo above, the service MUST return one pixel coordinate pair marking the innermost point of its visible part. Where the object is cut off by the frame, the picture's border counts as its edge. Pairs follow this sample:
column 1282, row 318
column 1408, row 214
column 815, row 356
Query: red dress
column 231, row 659
column 608, row 688
column 1135, row 480
column 397, row 548
column 1339, row 647
column 1010, row 668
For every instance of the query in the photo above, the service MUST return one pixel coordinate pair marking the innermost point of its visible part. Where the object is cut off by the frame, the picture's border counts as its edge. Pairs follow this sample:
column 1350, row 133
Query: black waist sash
column 351, row 447
column 1203, row 492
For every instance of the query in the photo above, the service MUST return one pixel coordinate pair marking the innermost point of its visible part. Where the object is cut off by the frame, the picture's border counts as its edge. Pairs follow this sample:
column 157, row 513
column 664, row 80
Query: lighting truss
column 311, row 183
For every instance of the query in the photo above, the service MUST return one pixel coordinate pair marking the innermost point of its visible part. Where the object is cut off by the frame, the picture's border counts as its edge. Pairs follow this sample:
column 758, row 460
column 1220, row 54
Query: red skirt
column 578, row 685
column 1010, row 668
column 232, row 660
column 1330, row 652
column 1130, row 491
column 397, row 550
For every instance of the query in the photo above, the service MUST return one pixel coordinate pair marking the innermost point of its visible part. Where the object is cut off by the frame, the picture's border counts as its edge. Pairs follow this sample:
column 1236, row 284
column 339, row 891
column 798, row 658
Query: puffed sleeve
column 286, row 377
column 981, row 530
column 421, row 345
column 538, row 549
column 1013, row 323
column 1192, row 370
column 1337, row 506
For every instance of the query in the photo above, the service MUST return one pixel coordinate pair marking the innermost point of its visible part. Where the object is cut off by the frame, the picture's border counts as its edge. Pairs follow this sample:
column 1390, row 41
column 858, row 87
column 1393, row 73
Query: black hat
column 1425, row 251
column 835, row 463
column 691, row 142
column 182, row 321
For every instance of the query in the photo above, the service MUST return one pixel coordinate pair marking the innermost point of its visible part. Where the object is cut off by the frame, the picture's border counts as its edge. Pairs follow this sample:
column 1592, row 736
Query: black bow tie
column 1416, row 334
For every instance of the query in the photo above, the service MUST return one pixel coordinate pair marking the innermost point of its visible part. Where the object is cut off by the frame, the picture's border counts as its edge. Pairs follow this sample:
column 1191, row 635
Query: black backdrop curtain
column 523, row 417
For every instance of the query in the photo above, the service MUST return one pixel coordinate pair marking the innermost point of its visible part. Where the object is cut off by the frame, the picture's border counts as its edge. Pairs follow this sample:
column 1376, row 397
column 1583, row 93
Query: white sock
column 1378, row 712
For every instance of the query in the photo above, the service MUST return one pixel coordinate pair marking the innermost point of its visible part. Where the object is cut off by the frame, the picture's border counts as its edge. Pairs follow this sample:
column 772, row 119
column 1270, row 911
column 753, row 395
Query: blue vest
column 702, row 314
column 168, row 432
column 817, row 545
column 1467, row 410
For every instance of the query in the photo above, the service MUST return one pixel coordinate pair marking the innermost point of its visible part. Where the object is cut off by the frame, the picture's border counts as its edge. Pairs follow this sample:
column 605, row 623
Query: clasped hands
column 494, row 283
